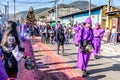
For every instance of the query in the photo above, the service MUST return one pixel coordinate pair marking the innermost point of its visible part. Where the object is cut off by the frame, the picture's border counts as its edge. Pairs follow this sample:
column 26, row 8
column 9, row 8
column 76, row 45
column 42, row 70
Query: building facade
column 62, row 11
column 98, row 14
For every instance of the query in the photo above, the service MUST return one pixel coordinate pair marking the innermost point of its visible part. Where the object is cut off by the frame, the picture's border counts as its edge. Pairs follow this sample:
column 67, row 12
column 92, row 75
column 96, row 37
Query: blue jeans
column 113, row 36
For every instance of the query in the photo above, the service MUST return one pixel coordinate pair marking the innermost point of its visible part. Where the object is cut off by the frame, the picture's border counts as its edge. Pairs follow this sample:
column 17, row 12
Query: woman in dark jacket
column 61, row 38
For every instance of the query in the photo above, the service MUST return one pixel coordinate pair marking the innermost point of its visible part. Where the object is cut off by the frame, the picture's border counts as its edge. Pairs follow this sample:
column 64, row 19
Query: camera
column 29, row 63
column 86, row 46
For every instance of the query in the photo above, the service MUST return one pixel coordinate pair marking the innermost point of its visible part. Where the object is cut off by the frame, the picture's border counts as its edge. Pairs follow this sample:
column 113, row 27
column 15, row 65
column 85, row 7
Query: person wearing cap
column 85, row 34
column 98, row 35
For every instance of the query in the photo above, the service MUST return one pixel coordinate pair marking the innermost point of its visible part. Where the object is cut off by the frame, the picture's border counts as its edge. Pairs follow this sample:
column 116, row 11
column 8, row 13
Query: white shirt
column 17, row 54
column 113, row 30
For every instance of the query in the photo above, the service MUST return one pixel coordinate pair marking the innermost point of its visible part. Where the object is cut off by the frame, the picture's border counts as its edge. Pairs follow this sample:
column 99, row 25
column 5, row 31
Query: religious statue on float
column 31, row 16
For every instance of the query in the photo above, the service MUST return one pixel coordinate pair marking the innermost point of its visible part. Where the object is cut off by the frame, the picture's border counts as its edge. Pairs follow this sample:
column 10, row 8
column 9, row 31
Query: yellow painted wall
column 110, row 22
column 103, row 21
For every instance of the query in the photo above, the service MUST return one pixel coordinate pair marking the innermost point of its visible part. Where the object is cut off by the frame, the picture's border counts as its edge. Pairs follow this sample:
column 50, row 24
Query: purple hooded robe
column 83, row 58
column 3, row 74
column 97, row 39
column 23, row 30
column 76, row 28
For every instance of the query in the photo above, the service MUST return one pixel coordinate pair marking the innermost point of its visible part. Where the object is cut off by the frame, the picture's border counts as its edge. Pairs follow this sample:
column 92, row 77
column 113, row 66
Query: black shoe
column 85, row 74
column 97, row 57
column 88, row 73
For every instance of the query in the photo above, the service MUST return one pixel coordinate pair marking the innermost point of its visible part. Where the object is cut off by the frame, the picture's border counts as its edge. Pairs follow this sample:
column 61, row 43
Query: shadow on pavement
column 115, row 67
column 117, row 56
column 38, row 55
column 68, row 54
column 37, row 59
column 94, row 64
column 40, row 65
column 92, row 59
column 61, row 63
column 46, row 50
column 58, row 69
column 58, row 76
column 113, row 58
column 95, row 77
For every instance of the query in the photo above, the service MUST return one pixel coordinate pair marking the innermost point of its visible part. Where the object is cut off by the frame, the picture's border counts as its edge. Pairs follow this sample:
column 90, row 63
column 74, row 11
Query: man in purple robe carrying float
column 84, row 40
column 98, row 34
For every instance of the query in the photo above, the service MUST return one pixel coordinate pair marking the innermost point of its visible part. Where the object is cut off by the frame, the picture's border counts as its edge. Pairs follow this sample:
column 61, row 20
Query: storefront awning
column 113, row 13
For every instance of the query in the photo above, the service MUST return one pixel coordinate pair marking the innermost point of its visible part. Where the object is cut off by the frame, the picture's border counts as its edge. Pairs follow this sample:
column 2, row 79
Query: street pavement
column 23, row 73
column 52, row 65
column 57, row 67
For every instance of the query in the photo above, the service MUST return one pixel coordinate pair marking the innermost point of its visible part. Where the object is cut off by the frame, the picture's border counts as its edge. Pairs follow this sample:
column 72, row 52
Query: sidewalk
column 113, row 51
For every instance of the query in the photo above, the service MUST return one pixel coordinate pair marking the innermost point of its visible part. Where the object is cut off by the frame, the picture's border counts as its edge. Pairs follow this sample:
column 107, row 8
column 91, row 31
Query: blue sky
column 25, row 6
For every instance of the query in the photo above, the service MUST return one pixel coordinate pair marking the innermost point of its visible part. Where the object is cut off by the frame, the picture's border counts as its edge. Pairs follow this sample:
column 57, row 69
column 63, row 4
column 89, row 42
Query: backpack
column 60, row 34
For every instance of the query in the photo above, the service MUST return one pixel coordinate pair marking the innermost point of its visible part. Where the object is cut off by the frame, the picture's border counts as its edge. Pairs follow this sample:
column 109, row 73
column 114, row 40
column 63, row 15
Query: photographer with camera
column 84, row 42
column 11, row 51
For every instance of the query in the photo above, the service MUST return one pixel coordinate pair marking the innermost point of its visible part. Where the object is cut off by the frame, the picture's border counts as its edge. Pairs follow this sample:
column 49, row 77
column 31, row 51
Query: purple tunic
column 23, row 30
column 83, row 58
column 97, row 40
column 3, row 74
column 76, row 28
column 57, row 26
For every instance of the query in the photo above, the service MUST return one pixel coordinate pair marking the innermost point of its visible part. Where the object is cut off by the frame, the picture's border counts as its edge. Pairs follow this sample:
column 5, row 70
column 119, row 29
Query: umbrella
column 53, row 24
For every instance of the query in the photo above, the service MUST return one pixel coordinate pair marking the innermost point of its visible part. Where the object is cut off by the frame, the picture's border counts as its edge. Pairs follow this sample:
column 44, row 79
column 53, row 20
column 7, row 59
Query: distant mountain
column 81, row 5
column 23, row 14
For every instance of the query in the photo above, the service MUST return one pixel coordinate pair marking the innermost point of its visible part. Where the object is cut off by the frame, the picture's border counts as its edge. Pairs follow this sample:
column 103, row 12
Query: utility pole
column 56, row 2
column 8, row 10
column 4, row 10
column 14, row 10
column 107, row 18
column 89, row 8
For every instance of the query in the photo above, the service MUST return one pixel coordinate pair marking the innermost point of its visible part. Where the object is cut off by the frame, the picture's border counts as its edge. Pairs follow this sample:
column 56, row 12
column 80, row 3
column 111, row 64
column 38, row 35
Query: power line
column 26, row 2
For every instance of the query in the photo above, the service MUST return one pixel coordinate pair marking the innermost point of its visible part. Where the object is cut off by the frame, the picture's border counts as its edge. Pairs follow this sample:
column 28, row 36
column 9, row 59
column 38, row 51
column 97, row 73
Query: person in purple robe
column 76, row 28
column 56, row 29
column 57, row 26
column 3, row 74
column 66, row 37
column 23, row 31
column 98, row 34
column 84, row 36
